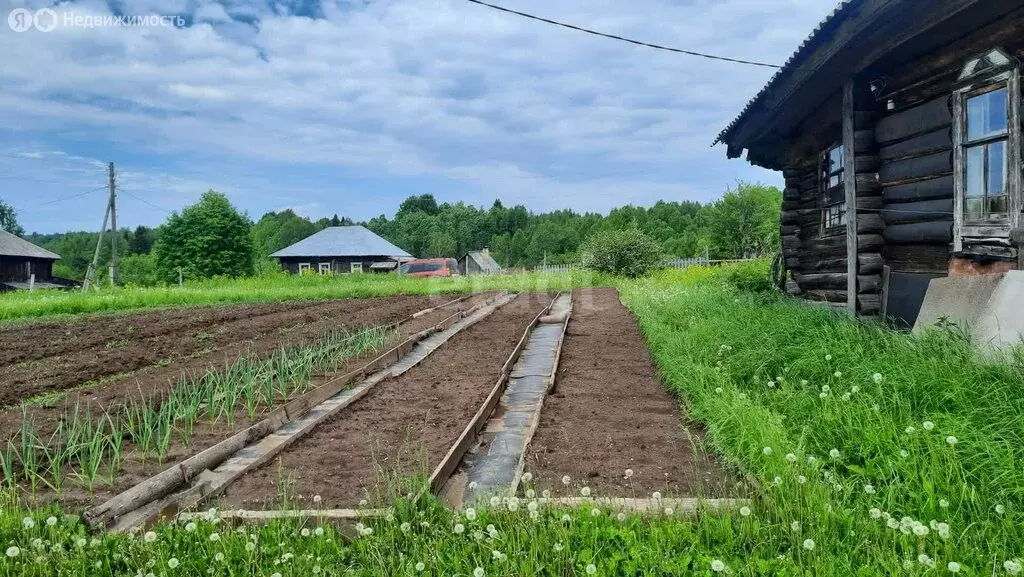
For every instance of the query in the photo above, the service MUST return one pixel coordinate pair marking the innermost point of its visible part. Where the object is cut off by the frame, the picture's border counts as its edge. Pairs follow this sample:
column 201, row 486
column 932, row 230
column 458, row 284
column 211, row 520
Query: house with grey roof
column 341, row 249
column 24, row 265
column 478, row 262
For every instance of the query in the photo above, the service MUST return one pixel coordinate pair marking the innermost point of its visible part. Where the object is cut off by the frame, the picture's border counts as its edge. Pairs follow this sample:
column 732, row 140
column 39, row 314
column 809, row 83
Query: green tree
column 141, row 240
column 744, row 223
column 627, row 252
column 209, row 238
column 139, row 270
column 9, row 220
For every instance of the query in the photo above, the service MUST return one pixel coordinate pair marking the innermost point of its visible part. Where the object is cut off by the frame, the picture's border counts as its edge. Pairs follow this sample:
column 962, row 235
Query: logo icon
column 45, row 20
column 20, row 19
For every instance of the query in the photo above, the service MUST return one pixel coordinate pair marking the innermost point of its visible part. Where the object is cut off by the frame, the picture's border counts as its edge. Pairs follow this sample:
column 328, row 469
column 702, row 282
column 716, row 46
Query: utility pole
column 90, row 274
column 114, row 260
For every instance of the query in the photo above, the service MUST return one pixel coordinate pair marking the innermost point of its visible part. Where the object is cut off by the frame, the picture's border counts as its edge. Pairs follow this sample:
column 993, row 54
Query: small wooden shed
column 896, row 126
column 24, row 265
column 478, row 262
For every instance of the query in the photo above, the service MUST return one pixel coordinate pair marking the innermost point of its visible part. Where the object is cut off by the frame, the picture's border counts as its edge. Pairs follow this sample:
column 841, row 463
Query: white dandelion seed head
column 943, row 503
column 530, row 493
column 718, row 390
column 801, row 479
column 546, row 494
column 920, row 530
column 669, row 511
column 892, row 523
column 834, row 453
column 656, row 495
column 942, row 529
column 855, row 389
column 405, row 527
column 904, row 453
column 585, row 491
column 51, row 521
column 566, row 480
column 745, row 511
column 1000, row 508
column 305, row 532
column 173, row 562
column 478, row 572
column 767, row 450
column 794, row 526
column 495, row 501
column 803, row 382
column 420, row 566
column 877, row 378
column 777, row 480
column 629, row 473
column 532, row 506
column 822, row 395
column 717, row 566
column 869, row 489
column 149, row 537
column 471, row 513
column 1012, row 566
column 558, row 546
column 566, row 518
column 13, row 551
column 837, row 374
column 363, row 502
column 909, row 430
column 214, row 537
column 812, row 459
column 595, row 512
column 826, row 389
column 219, row 556
column 527, row 477
column 809, row 544
column 621, row 517
column 845, row 397
column 828, row 357
column 951, row 441
column 791, row 457
column 925, row 560
column 875, row 513
column 459, row 529
column 928, row 425
column 953, row 567
column 317, row 499
column 472, row 485
column 771, row 384
column 591, row 569
column 28, row 522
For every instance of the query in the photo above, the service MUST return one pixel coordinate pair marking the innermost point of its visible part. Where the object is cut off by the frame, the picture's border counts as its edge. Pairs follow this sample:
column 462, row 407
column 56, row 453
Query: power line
column 623, row 39
column 68, row 197
column 143, row 200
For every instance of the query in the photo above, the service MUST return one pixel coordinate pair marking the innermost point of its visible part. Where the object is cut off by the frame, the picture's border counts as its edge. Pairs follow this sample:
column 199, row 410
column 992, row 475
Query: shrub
column 627, row 252
column 752, row 276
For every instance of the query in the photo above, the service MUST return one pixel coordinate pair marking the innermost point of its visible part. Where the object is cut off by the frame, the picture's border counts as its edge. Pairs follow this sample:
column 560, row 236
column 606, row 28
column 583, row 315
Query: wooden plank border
column 169, row 480
column 454, row 456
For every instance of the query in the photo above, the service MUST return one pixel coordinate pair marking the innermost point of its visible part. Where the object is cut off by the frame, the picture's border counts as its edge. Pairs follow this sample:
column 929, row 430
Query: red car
column 430, row 267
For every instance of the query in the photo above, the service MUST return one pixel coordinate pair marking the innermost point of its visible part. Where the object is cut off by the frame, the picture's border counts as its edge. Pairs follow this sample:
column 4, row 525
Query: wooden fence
column 677, row 263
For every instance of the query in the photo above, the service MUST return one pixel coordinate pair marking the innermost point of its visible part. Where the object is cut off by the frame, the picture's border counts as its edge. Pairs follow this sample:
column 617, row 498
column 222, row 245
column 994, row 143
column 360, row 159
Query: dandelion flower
column 459, row 529
column 532, row 506
column 803, row 382
column 928, row 425
column 656, row 495
column 149, row 537
column 28, row 522
column 904, row 453
column 718, row 390
column 892, row 523
column 219, row 556
column 472, row 485
column 591, row 570
column 767, row 450
column 629, row 473
column 909, row 430
column 845, row 397
column 869, row 489
column 877, row 378
column 13, row 552
column 828, row 357
column 669, row 511
column 777, row 480
column 304, row 532
column 51, row 521
column 837, row 374
column 595, row 512
column 745, row 511
column 527, row 477
column 420, row 566
column 1000, row 509
column 855, row 389
column 566, row 480
column 405, row 527
column 875, row 512
column 795, row 526
column 924, row 559
column 471, row 513
column 214, row 537
column 953, row 567
column 478, row 572
column 558, row 546
column 943, row 503
column 621, row 517
column 920, row 530
column 809, row 544
column 834, row 453
column 801, row 479
column 811, row 459
column 1012, row 566
column 566, row 518
column 826, row 389
column 791, row 457
column 495, row 501
column 585, row 491
column 545, row 493
column 942, row 529
column 951, row 441
column 822, row 395
column 173, row 562
column 717, row 566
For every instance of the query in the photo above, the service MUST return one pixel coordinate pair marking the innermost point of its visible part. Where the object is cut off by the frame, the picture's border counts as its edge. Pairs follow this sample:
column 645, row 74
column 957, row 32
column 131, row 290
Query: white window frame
column 830, row 212
column 305, row 266
column 995, row 228
column 355, row 267
column 324, row 268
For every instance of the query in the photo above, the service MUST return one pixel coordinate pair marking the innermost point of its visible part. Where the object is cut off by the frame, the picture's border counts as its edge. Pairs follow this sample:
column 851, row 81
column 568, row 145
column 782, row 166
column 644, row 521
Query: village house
column 897, row 128
column 341, row 249
column 24, row 265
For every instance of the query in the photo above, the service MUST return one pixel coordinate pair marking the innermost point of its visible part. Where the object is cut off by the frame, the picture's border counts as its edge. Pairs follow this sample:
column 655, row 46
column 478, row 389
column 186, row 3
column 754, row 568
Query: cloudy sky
column 349, row 106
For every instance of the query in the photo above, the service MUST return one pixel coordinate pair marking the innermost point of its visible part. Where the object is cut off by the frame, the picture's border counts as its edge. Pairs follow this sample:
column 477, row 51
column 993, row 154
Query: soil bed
column 609, row 412
column 403, row 427
column 365, row 312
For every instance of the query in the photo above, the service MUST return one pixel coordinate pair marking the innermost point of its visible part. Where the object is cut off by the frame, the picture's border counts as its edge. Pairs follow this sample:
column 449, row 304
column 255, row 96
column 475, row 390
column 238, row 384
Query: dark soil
column 403, row 427
column 133, row 470
column 609, row 412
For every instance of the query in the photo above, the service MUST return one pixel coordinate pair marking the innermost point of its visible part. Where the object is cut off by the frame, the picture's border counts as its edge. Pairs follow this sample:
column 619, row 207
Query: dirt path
column 404, row 426
column 609, row 413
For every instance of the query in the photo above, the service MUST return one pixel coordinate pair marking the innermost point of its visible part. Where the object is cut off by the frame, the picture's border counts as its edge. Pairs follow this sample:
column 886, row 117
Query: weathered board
column 927, row 117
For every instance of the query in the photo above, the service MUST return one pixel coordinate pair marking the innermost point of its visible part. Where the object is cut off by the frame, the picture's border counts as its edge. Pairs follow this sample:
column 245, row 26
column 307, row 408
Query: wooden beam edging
column 454, row 456
column 423, row 312
column 167, row 481
column 531, row 428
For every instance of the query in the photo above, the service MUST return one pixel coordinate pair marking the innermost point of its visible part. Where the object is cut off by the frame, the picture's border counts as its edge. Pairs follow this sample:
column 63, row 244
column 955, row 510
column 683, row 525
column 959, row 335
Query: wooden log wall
column 915, row 173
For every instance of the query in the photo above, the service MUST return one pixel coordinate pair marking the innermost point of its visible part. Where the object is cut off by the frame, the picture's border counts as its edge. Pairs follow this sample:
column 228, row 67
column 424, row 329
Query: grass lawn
column 272, row 288
column 875, row 452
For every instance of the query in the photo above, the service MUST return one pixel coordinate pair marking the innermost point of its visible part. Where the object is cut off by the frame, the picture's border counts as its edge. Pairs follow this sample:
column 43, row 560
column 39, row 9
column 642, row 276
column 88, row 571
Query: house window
column 356, row 267
column 832, row 193
column 986, row 152
column 325, row 268
column 304, row 267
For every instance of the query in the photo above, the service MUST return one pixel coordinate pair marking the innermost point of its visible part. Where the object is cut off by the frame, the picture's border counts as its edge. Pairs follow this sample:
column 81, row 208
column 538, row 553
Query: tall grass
column 275, row 287
column 890, row 450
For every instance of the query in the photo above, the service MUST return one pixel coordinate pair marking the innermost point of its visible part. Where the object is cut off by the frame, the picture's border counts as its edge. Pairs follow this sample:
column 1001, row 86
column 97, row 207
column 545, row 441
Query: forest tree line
column 742, row 223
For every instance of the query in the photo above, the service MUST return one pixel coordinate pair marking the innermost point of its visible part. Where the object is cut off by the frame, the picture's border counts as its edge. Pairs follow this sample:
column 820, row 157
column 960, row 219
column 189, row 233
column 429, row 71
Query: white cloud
column 400, row 89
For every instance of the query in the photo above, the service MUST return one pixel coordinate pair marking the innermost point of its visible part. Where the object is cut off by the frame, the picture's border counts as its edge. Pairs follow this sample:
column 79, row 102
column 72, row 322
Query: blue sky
column 349, row 106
